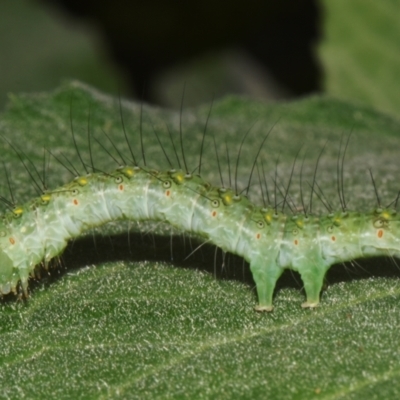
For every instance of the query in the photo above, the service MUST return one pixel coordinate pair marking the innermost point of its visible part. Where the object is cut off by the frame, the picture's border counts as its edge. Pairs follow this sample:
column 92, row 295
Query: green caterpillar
column 270, row 240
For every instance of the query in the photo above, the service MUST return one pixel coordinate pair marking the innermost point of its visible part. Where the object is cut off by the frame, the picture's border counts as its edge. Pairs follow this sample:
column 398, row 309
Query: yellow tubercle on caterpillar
column 227, row 196
column 299, row 222
column 269, row 215
column 45, row 198
column 178, row 177
column 128, row 171
column 386, row 215
column 18, row 212
column 82, row 181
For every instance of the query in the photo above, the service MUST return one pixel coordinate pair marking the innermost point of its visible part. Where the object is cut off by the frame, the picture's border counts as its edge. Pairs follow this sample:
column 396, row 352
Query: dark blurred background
column 146, row 38
column 271, row 50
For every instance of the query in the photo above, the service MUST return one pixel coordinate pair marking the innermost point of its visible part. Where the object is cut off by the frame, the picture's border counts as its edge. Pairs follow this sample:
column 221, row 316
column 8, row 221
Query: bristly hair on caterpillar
column 277, row 235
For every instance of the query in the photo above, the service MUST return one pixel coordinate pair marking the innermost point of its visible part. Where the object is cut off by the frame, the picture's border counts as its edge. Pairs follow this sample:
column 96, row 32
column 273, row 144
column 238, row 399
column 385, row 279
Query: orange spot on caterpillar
column 296, row 242
column 380, row 233
column 333, row 238
column 12, row 240
column 76, row 202
column 258, row 236
column 214, row 213
column 168, row 193
column 121, row 187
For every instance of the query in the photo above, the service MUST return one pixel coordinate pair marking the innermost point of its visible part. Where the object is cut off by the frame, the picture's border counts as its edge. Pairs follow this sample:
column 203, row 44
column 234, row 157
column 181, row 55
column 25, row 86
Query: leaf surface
column 126, row 316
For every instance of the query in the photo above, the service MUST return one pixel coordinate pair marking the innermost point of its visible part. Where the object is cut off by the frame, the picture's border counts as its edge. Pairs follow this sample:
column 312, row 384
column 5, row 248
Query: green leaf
column 123, row 315
column 359, row 51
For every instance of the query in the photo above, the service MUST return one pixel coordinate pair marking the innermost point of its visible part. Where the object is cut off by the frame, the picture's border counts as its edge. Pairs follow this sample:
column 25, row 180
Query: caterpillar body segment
column 269, row 240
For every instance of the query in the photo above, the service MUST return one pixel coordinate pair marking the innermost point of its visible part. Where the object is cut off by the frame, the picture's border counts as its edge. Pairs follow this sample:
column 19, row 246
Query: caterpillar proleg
column 270, row 237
